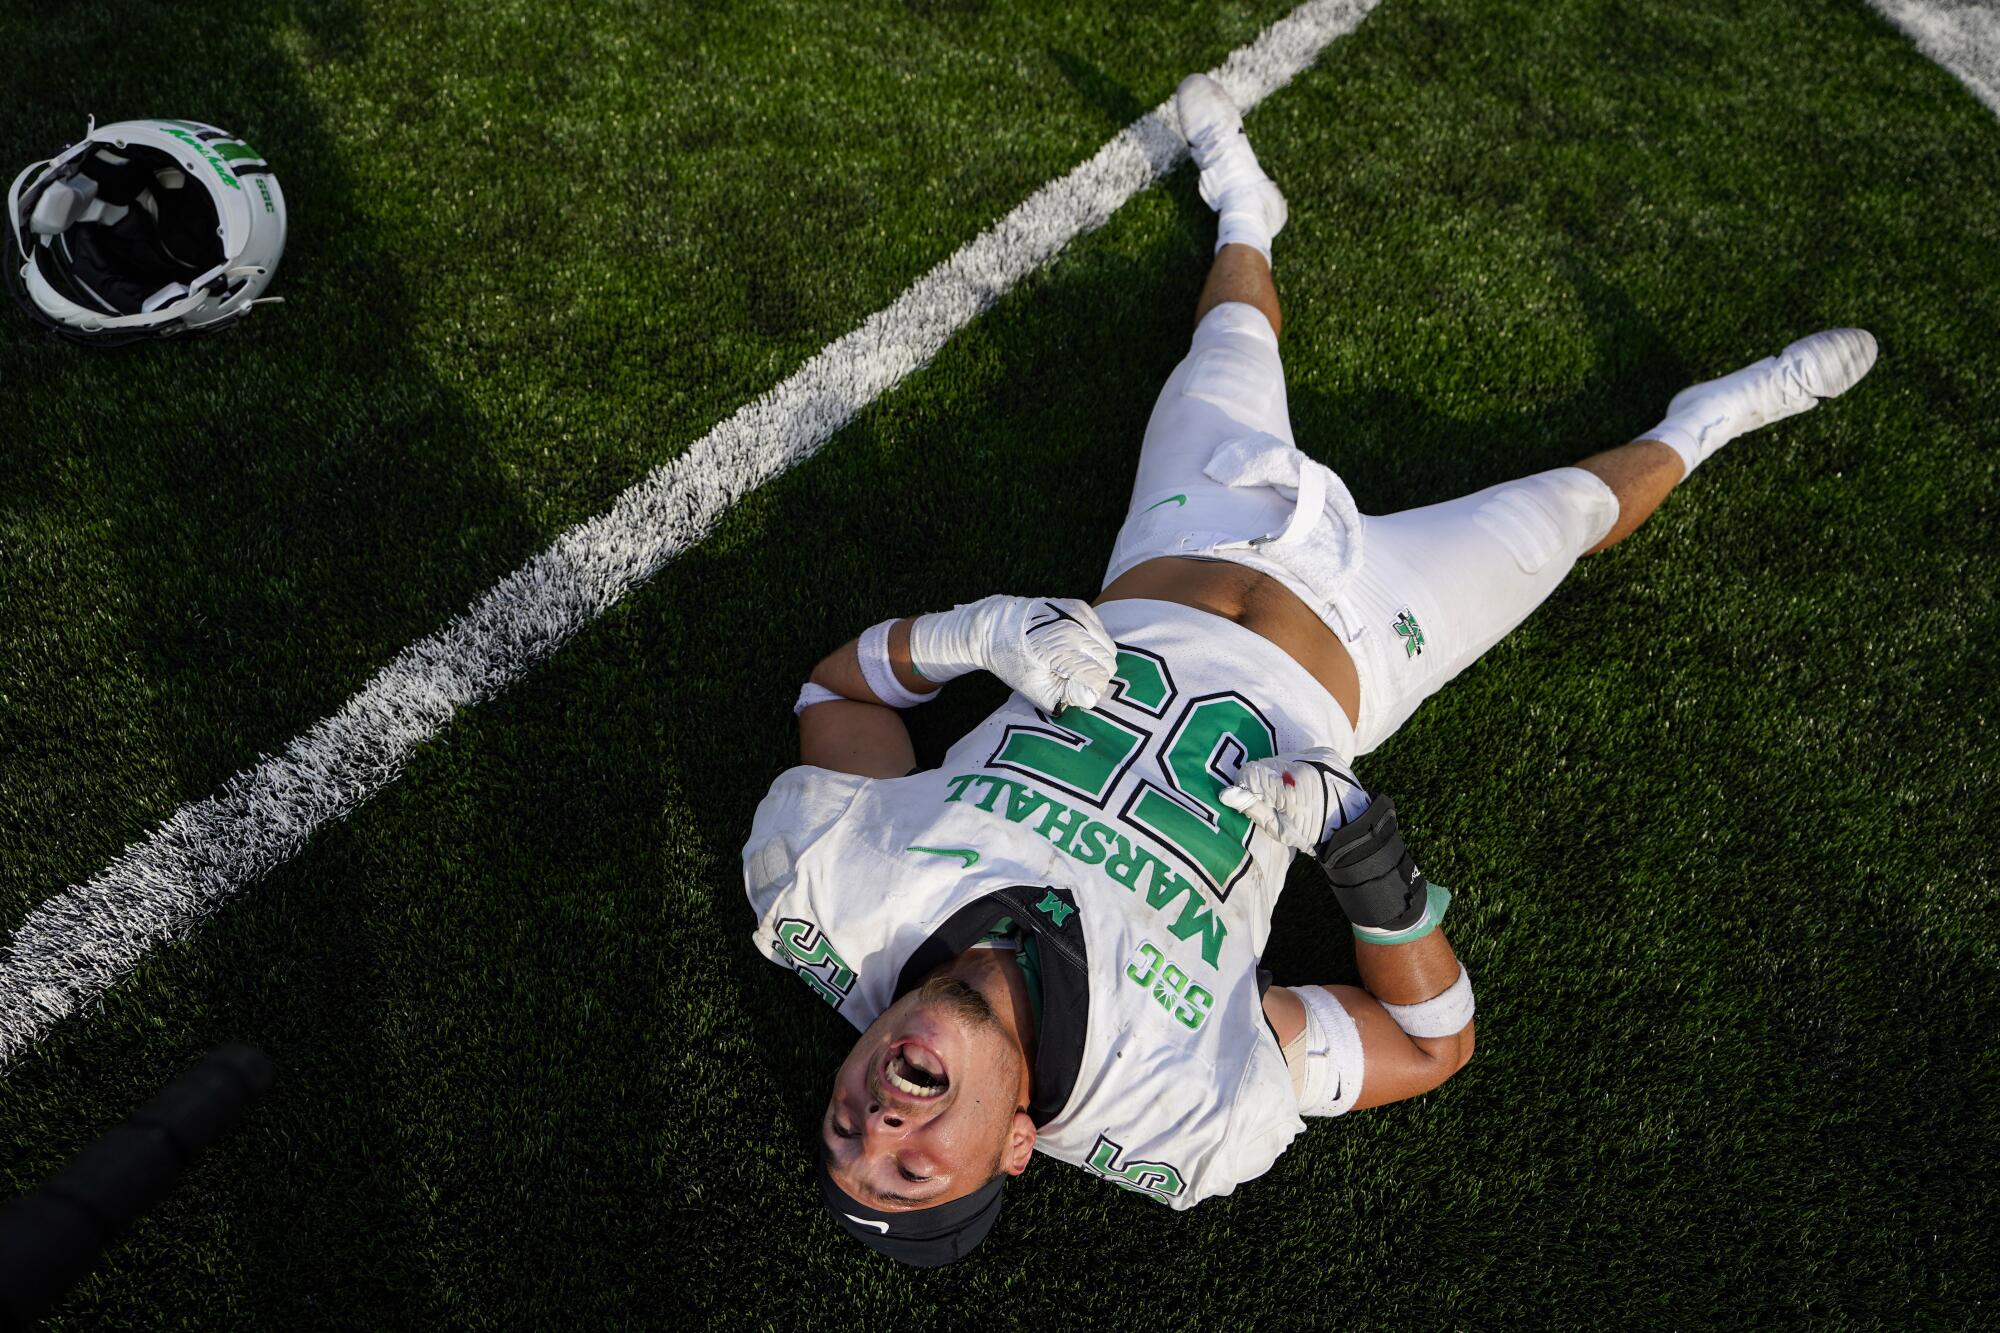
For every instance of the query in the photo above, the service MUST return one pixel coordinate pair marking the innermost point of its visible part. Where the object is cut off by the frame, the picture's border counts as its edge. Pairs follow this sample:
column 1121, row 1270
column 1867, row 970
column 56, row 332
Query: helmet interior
column 158, row 232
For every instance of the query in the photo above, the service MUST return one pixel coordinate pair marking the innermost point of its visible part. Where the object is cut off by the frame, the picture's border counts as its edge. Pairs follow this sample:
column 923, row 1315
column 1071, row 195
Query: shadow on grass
column 236, row 532
column 274, row 510
column 1396, row 451
column 1118, row 105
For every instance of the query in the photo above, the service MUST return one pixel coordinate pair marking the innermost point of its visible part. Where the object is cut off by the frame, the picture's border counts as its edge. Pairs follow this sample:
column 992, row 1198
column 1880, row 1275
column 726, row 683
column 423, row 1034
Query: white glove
column 1299, row 799
column 1053, row 649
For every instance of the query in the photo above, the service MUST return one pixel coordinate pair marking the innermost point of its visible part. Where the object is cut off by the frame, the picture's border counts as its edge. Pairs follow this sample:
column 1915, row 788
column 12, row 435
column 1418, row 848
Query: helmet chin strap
column 253, row 271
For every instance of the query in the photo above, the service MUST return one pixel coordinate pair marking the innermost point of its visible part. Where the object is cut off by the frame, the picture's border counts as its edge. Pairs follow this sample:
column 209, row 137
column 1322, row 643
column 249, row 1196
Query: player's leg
column 1702, row 419
column 1440, row 585
column 1250, row 209
column 1639, row 476
column 1240, row 275
column 1232, row 382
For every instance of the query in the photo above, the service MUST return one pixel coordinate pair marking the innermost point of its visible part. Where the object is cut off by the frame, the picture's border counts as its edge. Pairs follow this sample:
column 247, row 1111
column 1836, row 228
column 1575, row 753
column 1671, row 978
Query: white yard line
column 1961, row 35
column 72, row 947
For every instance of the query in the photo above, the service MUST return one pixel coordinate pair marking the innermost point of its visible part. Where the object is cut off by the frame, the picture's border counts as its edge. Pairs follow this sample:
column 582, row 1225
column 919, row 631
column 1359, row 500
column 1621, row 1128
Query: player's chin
column 953, row 998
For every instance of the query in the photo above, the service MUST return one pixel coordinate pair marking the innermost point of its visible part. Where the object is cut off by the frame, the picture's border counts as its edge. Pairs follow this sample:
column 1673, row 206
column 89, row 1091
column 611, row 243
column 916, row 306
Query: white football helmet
column 146, row 229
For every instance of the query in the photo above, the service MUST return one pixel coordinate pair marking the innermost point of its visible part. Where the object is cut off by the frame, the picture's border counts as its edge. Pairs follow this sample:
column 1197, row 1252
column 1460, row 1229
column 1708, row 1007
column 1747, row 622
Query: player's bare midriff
column 1255, row 601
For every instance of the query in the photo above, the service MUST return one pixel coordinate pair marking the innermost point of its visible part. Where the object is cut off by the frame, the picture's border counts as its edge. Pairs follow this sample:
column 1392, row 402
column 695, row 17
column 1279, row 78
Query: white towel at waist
column 1321, row 543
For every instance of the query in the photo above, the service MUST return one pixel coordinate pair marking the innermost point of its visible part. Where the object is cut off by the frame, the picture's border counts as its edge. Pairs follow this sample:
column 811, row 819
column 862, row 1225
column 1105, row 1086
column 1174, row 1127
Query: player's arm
column 1394, row 1064
column 855, row 730
column 1054, row 650
column 1408, row 1026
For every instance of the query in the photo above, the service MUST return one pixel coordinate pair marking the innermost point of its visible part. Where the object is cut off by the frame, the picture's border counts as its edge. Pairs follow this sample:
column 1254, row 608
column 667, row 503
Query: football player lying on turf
column 1052, row 940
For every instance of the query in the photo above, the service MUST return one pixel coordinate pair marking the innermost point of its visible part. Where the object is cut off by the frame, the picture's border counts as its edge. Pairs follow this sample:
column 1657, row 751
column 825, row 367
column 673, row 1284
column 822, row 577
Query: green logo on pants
column 1411, row 633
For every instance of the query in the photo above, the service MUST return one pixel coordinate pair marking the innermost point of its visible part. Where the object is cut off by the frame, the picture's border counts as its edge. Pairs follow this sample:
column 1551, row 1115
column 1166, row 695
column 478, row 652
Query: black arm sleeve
column 1376, row 881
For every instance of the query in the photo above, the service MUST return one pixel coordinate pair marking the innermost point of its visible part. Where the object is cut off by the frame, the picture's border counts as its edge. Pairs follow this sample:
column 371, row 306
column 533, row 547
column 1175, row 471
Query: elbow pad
column 1325, row 1060
column 1373, row 876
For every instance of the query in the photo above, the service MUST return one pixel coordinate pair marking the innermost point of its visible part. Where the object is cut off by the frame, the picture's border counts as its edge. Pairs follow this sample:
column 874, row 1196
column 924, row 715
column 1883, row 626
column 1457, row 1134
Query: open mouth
column 915, row 1072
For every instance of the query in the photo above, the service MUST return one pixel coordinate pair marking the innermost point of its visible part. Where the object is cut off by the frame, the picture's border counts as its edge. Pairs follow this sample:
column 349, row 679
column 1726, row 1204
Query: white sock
column 1241, row 221
column 1684, row 438
column 1704, row 417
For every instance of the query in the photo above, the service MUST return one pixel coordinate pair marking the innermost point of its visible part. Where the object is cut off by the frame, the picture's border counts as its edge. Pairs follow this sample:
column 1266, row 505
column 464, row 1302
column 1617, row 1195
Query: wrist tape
column 945, row 645
column 1373, row 877
column 1439, row 1016
column 873, row 650
column 810, row 694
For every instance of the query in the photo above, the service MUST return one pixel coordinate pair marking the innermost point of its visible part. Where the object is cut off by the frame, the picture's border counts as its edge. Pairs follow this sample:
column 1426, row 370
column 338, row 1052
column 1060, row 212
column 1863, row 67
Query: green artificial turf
column 1719, row 818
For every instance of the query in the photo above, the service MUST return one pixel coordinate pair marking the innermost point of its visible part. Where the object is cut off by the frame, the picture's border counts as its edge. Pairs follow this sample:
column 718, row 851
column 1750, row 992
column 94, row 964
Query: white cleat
column 1825, row 365
column 1213, row 127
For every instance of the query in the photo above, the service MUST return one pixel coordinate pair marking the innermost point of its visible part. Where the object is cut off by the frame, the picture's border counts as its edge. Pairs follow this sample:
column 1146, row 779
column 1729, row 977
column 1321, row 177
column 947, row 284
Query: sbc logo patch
column 813, row 957
column 1162, row 1180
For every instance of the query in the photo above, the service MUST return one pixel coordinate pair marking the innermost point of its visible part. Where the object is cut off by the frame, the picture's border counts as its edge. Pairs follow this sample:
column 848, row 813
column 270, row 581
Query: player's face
column 922, row 1106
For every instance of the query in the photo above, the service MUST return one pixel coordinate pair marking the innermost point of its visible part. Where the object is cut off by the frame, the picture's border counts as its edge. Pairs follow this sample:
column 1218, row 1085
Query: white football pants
column 1436, row 586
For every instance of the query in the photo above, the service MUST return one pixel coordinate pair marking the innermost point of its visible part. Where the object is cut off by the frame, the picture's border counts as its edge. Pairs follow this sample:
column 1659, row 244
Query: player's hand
column 1299, row 798
column 1071, row 655
column 1054, row 650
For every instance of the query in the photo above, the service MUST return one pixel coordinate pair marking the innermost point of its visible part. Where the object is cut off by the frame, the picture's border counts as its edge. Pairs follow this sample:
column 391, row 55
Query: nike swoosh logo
column 971, row 857
column 883, row 1227
column 1056, row 616
column 1170, row 500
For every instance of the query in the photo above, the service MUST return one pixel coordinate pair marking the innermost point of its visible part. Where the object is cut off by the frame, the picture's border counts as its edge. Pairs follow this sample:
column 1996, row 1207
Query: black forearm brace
column 1377, row 883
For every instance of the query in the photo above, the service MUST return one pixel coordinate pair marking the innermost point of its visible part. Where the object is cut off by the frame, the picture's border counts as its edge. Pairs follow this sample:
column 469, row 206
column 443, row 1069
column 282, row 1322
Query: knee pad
column 1549, row 516
column 1324, row 1059
column 1235, row 317
column 1234, row 366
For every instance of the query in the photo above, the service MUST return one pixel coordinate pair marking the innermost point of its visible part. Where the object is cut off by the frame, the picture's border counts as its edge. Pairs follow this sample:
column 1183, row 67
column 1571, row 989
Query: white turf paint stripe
column 74, row 946
column 1964, row 38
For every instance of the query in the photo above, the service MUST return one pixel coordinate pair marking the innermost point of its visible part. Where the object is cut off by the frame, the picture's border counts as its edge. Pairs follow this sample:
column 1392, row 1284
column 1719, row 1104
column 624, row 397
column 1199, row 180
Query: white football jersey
column 1102, row 833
